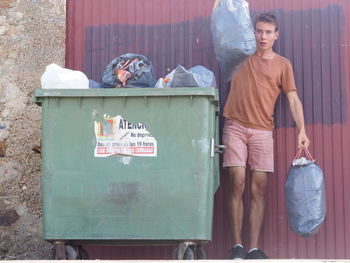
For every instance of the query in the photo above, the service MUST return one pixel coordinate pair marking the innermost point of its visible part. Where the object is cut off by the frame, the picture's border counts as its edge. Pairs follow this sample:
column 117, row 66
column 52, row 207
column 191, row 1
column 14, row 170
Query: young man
column 247, row 132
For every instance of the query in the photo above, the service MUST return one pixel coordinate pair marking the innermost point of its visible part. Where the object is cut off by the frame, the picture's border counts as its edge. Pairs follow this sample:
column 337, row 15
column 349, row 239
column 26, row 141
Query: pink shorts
column 245, row 144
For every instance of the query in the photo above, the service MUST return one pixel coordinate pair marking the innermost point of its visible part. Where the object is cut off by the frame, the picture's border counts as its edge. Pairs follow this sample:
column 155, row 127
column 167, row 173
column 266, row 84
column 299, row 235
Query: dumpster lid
column 126, row 92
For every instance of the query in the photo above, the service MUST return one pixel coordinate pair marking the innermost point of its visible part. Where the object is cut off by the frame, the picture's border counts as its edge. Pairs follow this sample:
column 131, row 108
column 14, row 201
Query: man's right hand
column 303, row 140
column 216, row 3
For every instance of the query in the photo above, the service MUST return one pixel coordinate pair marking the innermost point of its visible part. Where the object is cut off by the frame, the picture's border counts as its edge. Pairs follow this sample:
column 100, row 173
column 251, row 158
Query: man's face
column 265, row 35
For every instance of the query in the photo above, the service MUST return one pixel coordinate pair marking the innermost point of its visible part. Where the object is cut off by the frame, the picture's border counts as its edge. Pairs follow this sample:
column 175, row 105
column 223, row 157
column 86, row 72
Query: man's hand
column 216, row 3
column 303, row 140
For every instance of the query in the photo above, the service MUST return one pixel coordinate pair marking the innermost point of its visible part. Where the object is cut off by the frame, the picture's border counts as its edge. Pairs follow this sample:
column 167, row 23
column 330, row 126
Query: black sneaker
column 237, row 252
column 256, row 254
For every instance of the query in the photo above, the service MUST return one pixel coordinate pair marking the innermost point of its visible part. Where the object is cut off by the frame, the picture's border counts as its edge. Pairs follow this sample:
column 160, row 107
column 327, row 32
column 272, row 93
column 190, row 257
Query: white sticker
column 117, row 136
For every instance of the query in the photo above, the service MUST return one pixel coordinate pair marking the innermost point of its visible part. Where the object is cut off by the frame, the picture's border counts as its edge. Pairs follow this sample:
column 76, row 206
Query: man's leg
column 235, row 159
column 237, row 182
column 257, row 206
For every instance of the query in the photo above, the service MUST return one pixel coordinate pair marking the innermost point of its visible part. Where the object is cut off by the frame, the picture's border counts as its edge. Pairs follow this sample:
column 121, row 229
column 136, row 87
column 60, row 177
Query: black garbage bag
column 233, row 34
column 305, row 196
column 129, row 71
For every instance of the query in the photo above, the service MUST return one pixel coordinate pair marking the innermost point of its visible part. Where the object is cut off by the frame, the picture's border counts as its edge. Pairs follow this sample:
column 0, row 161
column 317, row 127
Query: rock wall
column 32, row 35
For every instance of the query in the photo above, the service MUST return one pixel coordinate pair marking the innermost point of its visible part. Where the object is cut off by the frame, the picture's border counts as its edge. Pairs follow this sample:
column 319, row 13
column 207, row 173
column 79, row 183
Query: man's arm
column 298, row 115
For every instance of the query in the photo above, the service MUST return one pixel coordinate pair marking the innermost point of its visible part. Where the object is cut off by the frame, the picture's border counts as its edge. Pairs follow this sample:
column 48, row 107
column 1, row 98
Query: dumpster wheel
column 200, row 253
column 189, row 251
column 70, row 252
column 188, row 255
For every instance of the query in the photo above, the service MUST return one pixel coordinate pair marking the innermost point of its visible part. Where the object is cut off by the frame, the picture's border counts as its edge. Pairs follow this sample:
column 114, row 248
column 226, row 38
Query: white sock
column 250, row 250
column 238, row 245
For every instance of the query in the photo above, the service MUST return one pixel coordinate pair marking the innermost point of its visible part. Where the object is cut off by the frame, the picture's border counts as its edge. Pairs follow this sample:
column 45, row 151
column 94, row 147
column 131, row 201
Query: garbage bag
column 204, row 77
column 233, row 34
column 161, row 83
column 197, row 76
column 94, row 85
column 305, row 197
column 129, row 70
column 56, row 77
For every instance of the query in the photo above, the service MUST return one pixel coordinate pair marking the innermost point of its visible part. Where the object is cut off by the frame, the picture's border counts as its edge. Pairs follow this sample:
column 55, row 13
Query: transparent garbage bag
column 197, row 76
column 305, row 195
column 233, row 34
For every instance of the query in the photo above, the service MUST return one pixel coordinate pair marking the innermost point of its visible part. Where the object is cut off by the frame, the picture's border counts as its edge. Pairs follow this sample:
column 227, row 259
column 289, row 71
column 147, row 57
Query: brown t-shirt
column 255, row 88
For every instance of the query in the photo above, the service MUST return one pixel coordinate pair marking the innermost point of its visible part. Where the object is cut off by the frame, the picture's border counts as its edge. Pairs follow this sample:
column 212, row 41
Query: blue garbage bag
column 305, row 197
column 233, row 34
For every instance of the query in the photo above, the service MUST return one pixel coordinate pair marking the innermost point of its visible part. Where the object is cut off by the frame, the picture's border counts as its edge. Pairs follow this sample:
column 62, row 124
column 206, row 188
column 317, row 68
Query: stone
column 14, row 17
column 6, row 68
column 2, row 149
column 18, row 16
column 8, row 171
column 4, row 132
column 14, row 99
column 21, row 210
column 2, row 20
column 3, row 29
column 8, row 217
column 6, row 3
column 3, row 125
column 20, row 28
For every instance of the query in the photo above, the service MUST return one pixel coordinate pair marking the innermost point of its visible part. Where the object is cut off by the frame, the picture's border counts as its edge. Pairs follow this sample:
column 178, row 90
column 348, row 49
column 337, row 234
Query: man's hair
column 267, row 18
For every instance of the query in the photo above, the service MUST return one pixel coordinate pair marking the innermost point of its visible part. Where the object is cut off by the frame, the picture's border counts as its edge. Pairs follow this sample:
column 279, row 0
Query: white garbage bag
column 56, row 77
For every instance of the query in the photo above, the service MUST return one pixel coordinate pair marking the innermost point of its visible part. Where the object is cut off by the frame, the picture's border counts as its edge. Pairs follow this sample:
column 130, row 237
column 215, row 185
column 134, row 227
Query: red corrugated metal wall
column 314, row 36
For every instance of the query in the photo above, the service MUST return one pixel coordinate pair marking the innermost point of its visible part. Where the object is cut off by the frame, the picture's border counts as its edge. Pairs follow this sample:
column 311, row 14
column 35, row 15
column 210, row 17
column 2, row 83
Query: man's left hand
column 303, row 140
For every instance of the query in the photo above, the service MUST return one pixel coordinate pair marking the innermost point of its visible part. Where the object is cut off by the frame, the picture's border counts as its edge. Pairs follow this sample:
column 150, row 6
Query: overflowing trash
column 305, row 196
column 197, row 76
column 128, row 70
column 56, row 77
column 233, row 34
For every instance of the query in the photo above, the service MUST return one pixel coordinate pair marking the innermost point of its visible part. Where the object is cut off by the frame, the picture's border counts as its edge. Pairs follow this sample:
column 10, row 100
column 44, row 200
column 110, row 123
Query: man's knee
column 237, row 180
column 259, row 184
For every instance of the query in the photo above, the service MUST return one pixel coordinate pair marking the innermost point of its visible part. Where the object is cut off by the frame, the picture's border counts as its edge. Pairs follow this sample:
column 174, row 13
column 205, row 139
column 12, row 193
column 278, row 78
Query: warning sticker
column 117, row 136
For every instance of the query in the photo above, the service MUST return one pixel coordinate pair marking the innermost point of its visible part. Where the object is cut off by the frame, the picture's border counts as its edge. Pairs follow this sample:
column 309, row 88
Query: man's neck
column 266, row 54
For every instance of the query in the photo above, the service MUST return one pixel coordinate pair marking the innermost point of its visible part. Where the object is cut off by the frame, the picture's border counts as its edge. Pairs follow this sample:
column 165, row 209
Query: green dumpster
column 129, row 166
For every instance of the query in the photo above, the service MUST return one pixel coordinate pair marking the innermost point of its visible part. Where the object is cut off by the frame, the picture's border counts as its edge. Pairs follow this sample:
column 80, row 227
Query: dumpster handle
column 212, row 152
column 216, row 148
